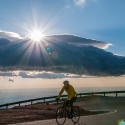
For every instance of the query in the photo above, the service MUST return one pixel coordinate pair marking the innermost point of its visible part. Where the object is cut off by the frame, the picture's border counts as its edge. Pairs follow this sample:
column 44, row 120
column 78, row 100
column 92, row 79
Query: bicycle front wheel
column 76, row 114
column 60, row 116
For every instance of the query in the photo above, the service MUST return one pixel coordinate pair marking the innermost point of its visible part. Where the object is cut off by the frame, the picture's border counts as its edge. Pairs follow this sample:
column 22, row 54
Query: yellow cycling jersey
column 71, row 92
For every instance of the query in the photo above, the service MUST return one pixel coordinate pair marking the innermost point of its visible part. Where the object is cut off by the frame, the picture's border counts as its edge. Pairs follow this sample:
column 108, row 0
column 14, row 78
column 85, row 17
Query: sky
column 102, row 20
column 20, row 83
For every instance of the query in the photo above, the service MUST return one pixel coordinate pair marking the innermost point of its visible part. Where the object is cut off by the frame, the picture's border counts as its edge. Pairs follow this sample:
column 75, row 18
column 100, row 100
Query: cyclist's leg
column 67, row 105
column 71, row 102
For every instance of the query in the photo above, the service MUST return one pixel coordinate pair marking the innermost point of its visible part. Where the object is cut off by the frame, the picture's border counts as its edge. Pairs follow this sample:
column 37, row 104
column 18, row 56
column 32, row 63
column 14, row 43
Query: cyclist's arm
column 60, row 93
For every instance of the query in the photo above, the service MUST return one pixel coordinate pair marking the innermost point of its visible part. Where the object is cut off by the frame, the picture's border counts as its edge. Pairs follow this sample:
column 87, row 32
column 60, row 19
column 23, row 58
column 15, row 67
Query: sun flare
column 36, row 35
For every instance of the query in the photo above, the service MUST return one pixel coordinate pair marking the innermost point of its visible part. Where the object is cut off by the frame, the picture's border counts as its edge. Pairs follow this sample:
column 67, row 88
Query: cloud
column 63, row 53
column 78, row 41
column 35, row 74
column 10, row 35
column 4, row 42
column 79, row 2
column 82, row 2
column 59, row 53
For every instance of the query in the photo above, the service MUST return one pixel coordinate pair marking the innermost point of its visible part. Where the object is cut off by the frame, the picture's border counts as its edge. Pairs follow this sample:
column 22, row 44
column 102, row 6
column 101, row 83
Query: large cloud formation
column 61, row 54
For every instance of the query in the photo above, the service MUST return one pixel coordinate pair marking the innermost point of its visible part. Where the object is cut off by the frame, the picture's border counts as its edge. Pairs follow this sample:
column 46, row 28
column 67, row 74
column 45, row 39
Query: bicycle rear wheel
column 76, row 114
column 60, row 116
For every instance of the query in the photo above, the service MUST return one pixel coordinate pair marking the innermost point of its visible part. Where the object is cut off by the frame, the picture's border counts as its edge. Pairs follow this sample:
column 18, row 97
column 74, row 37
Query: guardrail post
column 80, row 95
column 6, row 106
column 19, row 103
column 92, row 93
column 31, row 101
column 116, row 94
column 104, row 94
column 44, row 100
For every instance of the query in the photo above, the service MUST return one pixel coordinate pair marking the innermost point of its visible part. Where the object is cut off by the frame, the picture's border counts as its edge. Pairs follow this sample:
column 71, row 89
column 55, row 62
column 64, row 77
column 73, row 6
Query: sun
column 36, row 35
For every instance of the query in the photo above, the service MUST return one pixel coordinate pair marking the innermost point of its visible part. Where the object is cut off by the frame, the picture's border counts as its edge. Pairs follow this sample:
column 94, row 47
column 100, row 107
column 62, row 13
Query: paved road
column 115, row 105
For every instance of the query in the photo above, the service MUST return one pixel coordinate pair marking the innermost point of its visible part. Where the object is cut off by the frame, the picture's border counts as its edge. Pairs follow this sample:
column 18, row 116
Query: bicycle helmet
column 66, row 82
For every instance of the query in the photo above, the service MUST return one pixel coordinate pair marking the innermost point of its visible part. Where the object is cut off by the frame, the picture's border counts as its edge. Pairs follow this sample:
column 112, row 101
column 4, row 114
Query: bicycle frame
column 62, row 110
column 64, row 104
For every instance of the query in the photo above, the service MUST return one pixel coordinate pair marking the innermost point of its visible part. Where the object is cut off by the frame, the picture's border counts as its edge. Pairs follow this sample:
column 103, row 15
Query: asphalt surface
column 116, row 106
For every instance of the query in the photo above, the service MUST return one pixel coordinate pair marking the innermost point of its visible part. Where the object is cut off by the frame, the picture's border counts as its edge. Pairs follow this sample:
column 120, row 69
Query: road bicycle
column 64, row 112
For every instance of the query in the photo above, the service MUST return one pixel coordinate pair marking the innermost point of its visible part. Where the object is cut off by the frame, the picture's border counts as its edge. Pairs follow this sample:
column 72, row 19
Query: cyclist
column 72, row 95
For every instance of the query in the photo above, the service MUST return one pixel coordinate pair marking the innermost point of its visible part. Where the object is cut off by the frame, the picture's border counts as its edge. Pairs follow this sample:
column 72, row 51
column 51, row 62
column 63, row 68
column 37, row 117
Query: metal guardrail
column 53, row 97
